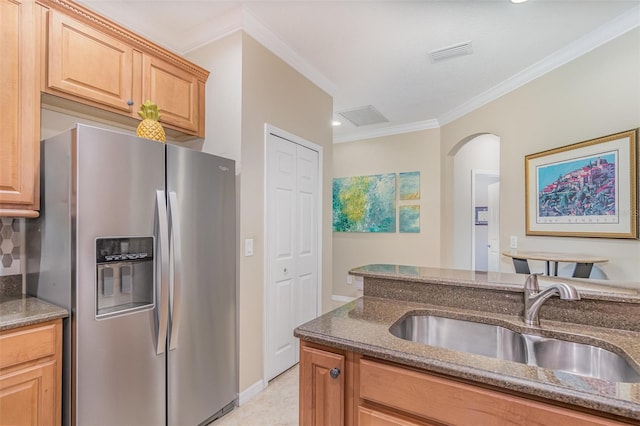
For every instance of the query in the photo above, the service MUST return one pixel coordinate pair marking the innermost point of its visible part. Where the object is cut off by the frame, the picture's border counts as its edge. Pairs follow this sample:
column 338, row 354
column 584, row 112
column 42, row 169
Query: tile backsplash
column 10, row 245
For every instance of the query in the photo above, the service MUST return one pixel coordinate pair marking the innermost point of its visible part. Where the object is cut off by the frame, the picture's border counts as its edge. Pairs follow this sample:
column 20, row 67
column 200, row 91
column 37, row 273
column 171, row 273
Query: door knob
column 334, row 372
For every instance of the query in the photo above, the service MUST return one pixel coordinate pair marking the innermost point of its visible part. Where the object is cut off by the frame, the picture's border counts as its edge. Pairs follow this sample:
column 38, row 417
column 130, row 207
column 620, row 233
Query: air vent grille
column 452, row 51
column 364, row 116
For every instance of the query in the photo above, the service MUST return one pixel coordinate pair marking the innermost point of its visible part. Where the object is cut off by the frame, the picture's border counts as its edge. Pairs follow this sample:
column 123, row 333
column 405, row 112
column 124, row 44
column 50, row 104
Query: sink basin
column 465, row 336
column 577, row 358
column 499, row 342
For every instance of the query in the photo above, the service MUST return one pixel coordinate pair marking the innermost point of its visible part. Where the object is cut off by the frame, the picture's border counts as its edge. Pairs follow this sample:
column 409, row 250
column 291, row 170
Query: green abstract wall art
column 410, row 219
column 410, row 186
column 364, row 203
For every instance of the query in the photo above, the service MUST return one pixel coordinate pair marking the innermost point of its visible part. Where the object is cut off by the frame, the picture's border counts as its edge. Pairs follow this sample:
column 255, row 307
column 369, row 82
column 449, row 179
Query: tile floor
column 277, row 405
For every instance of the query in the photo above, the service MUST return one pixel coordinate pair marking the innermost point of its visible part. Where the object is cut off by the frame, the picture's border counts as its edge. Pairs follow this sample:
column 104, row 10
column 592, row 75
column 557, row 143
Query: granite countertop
column 363, row 325
column 21, row 310
column 589, row 288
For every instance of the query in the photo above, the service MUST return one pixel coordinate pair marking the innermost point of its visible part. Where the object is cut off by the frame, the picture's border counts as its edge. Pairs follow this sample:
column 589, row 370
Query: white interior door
column 292, row 248
column 493, row 227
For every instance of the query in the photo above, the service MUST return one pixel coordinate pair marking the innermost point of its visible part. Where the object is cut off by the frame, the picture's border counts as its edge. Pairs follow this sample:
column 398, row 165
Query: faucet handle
column 531, row 283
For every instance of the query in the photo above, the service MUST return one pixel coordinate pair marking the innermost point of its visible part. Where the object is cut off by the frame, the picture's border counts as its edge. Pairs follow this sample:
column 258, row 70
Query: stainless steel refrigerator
column 137, row 239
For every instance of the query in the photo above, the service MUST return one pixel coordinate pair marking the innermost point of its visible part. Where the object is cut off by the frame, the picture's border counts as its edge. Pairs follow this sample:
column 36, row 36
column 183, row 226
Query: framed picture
column 482, row 215
column 364, row 203
column 588, row 189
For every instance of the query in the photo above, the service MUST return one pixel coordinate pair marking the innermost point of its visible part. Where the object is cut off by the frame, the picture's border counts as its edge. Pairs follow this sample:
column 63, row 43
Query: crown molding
column 242, row 19
column 222, row 26
column 256, row 29
column 602, row 35
column 387, row 131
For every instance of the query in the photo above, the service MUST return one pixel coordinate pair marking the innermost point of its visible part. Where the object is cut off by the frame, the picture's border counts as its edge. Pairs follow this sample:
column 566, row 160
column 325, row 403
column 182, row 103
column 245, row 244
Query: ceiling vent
column 364, row 116
column 452, row 51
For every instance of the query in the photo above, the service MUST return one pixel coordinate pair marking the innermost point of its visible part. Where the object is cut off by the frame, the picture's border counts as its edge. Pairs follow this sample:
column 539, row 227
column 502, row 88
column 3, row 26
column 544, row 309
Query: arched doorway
column 476, row 165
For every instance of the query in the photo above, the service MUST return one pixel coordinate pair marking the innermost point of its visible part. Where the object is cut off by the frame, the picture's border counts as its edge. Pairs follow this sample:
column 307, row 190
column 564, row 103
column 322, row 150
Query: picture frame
column 587, row 189
column 482, row 215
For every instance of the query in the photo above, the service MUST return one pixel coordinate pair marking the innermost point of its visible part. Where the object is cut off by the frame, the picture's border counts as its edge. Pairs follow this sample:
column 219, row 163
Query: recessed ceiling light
column 335, row 123
column 518, row 1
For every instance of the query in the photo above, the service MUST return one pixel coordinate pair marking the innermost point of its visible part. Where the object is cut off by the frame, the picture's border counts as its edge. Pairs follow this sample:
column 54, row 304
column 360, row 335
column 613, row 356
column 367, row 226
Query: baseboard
column 345, row 299
column 247, row 394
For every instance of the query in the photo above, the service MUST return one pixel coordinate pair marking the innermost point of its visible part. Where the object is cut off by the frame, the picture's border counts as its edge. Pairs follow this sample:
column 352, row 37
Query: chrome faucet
column 534, row 298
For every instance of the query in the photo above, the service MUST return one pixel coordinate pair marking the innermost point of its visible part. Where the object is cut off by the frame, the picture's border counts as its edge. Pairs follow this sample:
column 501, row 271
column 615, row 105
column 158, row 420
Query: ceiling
column 377, row 52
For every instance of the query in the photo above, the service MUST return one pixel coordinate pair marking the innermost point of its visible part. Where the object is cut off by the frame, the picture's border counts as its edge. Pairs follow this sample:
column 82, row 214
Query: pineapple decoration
column 149, row 127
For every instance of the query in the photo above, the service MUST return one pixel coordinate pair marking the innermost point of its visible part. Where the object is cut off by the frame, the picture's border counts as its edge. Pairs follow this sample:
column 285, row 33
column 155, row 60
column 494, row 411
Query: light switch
column 248, row 247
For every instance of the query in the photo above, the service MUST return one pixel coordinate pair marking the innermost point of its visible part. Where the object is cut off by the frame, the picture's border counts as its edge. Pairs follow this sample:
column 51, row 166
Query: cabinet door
column 19, row 109
column 28, row 396
column 89, row 64
column 31, row 375
column 175, row 91
column 321, row 390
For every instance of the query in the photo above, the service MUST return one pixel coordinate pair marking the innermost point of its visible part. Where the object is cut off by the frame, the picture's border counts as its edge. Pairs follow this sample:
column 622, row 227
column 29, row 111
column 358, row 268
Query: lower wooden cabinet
column 31, row 375
column 321, row 387
column 380, row 393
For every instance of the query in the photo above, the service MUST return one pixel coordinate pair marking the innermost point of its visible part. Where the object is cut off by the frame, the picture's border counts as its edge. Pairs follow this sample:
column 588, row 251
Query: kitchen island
column 383, row 379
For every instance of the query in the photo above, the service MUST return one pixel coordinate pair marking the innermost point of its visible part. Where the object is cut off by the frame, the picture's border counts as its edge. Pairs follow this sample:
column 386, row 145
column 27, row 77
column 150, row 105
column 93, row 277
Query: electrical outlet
column 514, row 242
column 349, row 279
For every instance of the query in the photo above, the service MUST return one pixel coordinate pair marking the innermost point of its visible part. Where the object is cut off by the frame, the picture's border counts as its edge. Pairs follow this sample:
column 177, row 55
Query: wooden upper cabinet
column 19, row 110
column 174, row 90
column 89, row 64
column 94, row 61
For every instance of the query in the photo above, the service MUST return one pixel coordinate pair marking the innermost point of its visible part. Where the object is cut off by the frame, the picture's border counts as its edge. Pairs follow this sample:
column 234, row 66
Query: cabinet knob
column 334, row 373
column 130, row 102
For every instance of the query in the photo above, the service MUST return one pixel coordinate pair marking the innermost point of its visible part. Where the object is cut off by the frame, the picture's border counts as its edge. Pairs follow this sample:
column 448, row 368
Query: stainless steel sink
column 581, row 359
column 465, row 336
column 499, row 342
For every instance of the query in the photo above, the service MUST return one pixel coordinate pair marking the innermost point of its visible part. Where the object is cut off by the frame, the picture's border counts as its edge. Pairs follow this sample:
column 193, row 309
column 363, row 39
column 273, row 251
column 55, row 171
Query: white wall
column 481, row 234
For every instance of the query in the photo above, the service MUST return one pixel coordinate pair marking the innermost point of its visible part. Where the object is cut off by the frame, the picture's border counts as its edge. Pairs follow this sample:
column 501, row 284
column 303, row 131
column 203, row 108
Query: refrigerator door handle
column 162, row 296
column 176, row 247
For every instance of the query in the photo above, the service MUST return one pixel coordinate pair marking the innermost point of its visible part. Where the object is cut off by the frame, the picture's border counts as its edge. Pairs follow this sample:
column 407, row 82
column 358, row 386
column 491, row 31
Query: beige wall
column 248, row 87
column 223, row 59
column 416, row 151
column 273, row 93
column 595, row 95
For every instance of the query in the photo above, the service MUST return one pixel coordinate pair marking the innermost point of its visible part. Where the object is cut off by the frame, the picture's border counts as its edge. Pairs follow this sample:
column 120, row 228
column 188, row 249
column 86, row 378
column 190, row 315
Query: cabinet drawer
column 369, row 417
column 26, row 344
column 456, row 403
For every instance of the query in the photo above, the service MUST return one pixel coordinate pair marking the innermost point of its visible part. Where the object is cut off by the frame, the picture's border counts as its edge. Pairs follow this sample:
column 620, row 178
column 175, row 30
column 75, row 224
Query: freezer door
column 202, row 364
column 120, row 379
